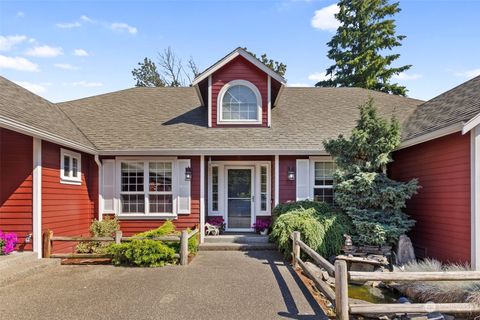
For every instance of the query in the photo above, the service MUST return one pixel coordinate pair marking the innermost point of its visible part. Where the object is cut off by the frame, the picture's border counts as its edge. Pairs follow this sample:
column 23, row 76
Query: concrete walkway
column 216, row 285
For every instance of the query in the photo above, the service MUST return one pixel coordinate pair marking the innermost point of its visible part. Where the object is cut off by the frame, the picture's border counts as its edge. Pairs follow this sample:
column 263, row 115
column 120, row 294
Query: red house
column 234, row 144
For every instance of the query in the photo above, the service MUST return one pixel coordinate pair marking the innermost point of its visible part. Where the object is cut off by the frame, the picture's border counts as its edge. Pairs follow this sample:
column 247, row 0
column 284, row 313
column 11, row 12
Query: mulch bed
column 317, row 295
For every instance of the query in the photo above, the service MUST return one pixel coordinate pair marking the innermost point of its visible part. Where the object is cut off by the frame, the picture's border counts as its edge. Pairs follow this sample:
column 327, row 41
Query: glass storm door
column 239, row 198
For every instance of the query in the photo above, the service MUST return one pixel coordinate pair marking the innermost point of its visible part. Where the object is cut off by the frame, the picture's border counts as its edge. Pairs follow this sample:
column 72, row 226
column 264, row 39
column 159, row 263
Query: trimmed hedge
column 321, row 227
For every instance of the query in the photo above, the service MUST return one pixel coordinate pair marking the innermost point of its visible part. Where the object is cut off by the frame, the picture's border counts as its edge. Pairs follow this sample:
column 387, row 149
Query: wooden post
column 341, row 290
column 184, row 248
column 47, row 243
column 296, row 249
column 118, row 236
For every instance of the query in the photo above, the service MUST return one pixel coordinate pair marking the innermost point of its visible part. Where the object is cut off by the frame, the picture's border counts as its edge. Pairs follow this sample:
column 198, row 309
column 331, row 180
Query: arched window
column 240, row 102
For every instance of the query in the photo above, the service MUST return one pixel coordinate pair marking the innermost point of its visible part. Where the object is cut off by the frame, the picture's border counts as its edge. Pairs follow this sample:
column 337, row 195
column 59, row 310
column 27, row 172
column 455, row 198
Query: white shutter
column 108, row 183
column 183, row 197
column 303, row 179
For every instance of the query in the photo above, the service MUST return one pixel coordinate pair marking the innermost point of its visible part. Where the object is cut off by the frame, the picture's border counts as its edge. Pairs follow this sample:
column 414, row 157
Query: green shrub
column 320, row 207
column 166, row 229
column 105, row 228
column 320, row 229
column 142, row 253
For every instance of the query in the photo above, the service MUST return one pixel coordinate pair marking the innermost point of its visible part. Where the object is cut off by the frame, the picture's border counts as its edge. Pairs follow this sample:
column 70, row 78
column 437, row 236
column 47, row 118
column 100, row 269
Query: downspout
column 100, row 186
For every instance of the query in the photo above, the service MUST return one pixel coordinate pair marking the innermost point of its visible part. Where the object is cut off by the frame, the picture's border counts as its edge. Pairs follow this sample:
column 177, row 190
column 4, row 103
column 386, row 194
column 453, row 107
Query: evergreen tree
column 373, row 201
column 147, row 75
column 359, row 47
column 277, row 66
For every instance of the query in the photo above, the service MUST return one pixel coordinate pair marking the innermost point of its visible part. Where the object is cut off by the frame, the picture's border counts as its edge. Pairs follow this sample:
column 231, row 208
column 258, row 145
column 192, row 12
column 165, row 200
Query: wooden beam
column 184, row 248
column 118, row 236
column 465, row 308
column 321, row 261
column 47, row 243
column 341, row 290
column 295, row 248
column 414, row 276
column 319, row 283
column 82, row 239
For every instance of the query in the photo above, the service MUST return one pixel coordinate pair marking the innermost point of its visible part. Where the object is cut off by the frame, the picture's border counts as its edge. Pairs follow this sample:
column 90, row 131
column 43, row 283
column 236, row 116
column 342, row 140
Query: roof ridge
column 452, row 89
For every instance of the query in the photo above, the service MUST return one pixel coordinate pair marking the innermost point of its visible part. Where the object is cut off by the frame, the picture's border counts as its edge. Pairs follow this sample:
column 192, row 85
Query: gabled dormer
column 239, row 90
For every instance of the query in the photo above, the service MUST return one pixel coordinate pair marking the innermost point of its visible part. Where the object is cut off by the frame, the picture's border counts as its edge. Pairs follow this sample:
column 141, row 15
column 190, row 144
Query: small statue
column 348, row 240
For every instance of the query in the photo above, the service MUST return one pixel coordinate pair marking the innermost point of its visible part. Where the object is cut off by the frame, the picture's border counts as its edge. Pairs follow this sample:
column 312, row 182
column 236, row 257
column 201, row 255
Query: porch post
column 277, row 179
column 475, row 197
column 37, row 197
column 202, row 198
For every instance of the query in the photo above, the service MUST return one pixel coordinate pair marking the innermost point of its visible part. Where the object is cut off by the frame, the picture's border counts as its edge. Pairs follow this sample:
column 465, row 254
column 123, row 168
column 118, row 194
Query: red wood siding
column 288, row 189
column 132, row 226
column 240, row 69
column 16, row 166
column 67, row 209
column 442, row 207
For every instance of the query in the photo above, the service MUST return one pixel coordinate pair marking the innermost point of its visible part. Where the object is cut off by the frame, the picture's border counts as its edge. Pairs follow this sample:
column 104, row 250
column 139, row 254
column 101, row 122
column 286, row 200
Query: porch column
column 475, row 197
column 277, row 179
column 37, row 197
column 202, row 198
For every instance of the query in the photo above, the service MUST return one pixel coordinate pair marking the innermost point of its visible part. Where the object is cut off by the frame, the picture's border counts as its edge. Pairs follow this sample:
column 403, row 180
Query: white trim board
column 235, row 53
column 475, row 196
column 37, row 197
column 216, row 152
column 221, row 95
column 472, row 123
column 431, row 136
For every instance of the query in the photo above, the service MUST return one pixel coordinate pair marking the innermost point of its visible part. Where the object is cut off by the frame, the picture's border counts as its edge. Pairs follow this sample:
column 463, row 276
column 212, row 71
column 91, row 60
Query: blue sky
column 73, row 49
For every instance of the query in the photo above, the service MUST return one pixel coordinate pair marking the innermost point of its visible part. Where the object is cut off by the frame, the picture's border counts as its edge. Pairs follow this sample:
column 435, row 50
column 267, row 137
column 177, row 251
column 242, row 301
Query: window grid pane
column 74, row 167
column 133, row 203
column 323, row 184
column 66, row 166
column 263, row 188
column 214, row 188
column 161, row 203
column 160, row 177
column 132, row 177
column 239, row 103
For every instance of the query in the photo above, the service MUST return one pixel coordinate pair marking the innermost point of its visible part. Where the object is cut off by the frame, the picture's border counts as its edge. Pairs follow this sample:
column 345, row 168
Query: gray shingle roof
column 173, row 119
column 455, row 106
column 20, row 105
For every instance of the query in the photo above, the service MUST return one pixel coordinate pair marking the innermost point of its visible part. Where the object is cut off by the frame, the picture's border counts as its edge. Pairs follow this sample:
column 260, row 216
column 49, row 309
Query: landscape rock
column 404, row 251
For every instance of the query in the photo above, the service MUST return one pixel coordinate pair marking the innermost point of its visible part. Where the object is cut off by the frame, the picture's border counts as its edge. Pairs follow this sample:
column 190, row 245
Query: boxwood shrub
column 321, row 227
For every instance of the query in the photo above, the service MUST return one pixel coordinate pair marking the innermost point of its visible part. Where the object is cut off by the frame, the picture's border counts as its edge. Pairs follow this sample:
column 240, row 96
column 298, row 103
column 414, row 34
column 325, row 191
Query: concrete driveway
column 216, row 285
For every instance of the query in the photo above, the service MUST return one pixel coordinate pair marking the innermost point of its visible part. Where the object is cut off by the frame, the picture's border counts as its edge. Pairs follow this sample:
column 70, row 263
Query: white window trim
column 312, row 173
column 258, row 193
column 221, row 94
column 70, row 179
column 146, row 214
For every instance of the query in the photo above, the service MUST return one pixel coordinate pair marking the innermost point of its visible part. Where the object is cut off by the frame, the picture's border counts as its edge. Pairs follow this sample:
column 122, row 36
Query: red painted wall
column 442, row 206
column 67, row 209
column 240, row 69
column 288, row 189
column 130, row 227
column 16, row 166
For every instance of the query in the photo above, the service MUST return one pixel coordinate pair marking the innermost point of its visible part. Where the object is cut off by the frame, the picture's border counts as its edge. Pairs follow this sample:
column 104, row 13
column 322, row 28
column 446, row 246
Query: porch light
column 291, row 174
column 188, row 174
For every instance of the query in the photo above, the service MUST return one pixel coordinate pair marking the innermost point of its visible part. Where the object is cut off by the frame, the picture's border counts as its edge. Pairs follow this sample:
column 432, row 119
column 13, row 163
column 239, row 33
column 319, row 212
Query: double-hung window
column 70, row 167
column 323, row 181
column 146, row 187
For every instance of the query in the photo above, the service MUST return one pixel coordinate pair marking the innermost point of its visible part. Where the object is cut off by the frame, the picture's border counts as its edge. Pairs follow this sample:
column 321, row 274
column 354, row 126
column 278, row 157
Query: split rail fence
column 339, row 297
column 49, row 239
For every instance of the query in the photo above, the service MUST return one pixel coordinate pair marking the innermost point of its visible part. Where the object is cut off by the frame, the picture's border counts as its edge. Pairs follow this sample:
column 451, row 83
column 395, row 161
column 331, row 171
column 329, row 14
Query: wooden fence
column 339, row 297
column 49, row 238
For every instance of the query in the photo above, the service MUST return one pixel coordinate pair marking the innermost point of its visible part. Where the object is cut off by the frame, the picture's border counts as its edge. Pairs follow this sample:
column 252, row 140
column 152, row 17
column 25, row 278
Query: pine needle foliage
column 372, row 200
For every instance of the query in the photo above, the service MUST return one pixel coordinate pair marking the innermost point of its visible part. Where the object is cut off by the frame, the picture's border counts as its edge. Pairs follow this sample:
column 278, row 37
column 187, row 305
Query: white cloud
column 17, row 63
column 119, row 26
column 65, row 66
column 8, row 42
column 86, row 84
column 324, row 19
column 80, row 53
column 45, row 51
column 20, row 14
column 69, row 25
column 298, row 84
column 87, row 19
column 407, row 76
column 468, row 73
column 33, row 87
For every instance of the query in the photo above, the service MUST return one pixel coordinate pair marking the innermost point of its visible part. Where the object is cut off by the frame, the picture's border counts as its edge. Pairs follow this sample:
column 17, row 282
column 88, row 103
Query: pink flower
column 7, row 242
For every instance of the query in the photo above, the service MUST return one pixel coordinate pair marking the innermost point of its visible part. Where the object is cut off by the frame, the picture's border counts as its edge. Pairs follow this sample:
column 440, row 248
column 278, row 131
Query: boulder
column 404, row 252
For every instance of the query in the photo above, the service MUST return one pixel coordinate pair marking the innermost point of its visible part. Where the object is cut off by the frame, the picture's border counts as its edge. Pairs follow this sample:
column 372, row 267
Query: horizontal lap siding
column 442, row 206
column 240, row 69
column 67, row 210
column 132, row 226
column 16, row 165
column 288, row 188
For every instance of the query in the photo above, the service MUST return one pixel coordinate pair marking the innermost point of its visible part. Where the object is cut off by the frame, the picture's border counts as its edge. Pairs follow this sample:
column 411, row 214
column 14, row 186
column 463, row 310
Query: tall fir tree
column 359, row 47
column 147, row 75
column 363, row 190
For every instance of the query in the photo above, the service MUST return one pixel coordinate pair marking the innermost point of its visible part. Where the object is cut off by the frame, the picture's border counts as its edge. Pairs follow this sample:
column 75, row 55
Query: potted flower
column 7, row 242
column 261, row 226
column 217, row 222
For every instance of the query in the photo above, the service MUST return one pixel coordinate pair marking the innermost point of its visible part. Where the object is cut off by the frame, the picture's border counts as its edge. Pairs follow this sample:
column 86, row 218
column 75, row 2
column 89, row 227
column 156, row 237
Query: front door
column 239, row 198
